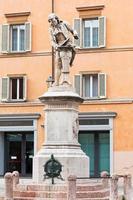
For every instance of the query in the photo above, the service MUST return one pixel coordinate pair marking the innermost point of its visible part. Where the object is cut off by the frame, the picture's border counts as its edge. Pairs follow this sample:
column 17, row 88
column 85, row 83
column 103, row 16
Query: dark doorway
column 19, row 151
column 96, row 145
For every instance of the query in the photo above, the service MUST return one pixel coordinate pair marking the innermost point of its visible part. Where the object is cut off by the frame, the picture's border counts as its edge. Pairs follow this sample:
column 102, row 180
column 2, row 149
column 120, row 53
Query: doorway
column 19, row 152
column 96, row 145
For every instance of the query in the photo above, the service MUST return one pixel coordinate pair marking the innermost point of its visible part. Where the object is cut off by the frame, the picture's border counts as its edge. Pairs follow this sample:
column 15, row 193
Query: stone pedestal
column 61, row 135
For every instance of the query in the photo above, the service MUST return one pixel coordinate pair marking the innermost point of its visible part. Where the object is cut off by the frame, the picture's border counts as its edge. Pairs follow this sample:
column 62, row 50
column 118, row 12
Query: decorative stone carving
column 61, row 38
column 61, row 111
column 75, row 128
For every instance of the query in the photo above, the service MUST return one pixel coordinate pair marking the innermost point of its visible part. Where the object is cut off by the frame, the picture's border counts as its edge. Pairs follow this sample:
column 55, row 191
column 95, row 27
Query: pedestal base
column 72, row 159
column 61, row 135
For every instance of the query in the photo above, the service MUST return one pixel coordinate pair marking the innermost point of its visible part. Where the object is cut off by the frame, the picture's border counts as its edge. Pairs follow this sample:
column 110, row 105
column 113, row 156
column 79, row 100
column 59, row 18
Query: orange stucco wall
column 122, row 130
column 116, row 60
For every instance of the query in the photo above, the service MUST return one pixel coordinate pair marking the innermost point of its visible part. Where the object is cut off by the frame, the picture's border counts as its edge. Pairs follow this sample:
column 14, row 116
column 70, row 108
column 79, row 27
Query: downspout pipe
column 53, row 59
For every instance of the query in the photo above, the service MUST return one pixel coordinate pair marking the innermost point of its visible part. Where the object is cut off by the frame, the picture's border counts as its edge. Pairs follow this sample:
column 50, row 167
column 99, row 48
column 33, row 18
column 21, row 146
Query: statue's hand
column 56, row 47
column 75, row 35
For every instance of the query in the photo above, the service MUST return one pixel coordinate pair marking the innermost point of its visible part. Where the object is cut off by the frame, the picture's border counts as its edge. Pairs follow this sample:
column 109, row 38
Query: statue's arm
column 52, row 39
column 73, row 32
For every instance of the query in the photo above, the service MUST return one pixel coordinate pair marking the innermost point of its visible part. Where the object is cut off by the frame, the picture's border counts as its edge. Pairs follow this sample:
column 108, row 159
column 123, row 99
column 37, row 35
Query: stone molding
column 88, row 8
column 16, row 18
column 19, row 116
column 69, row 106
column 79, row 51
column 87, row 115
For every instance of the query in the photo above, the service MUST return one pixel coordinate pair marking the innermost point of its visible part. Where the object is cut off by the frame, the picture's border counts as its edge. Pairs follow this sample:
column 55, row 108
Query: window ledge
column 88, row 48
column 13, row 101
column 92, row 99
column 15, row 52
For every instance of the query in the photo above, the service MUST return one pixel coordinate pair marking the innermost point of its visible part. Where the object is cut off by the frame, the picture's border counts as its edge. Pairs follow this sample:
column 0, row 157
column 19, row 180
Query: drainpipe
column 53, row 59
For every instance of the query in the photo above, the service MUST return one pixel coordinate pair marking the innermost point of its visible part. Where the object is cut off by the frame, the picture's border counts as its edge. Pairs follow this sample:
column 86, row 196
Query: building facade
column 101, row 73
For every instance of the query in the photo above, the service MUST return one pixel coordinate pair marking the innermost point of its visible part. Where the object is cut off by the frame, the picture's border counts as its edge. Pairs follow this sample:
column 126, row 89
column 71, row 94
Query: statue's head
column 53, row 19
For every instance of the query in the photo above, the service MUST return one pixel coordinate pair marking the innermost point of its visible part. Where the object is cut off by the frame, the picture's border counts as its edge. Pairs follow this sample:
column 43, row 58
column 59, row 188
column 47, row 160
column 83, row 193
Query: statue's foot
column 55, row 84
column 66, row 83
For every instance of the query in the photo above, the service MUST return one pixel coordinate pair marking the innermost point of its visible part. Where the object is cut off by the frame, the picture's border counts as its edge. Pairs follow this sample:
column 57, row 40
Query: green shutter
column 5, row 38
column 5, row 89
column 102, row 85
column 104, row 152
column 27, row 36
column 77, row 83
column 87, row 145
column 102, row 31
column 77, row 27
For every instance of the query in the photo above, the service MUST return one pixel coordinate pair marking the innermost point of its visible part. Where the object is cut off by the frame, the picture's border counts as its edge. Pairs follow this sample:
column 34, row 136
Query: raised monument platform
column 61, row 135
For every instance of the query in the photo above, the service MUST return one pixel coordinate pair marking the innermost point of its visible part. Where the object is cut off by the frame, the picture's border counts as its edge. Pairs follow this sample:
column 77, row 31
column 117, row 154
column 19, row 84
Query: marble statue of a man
column 61, row 38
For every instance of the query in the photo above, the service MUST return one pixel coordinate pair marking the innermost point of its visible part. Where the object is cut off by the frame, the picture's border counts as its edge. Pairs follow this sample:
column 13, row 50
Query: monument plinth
column 61, row 134
column 61, row 110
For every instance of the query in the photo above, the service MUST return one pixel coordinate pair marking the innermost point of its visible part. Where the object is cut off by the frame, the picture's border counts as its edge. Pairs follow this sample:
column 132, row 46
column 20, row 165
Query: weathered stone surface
column 59, row 191
column 61, row 135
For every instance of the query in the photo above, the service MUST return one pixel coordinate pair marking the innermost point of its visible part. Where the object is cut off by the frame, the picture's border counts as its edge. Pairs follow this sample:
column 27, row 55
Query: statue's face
column 53, row 21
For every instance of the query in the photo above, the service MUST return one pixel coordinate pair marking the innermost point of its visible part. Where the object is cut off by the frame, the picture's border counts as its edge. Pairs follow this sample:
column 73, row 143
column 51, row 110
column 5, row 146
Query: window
column 91, row 32
column 16, row 38
column 91, row 85
column 14, row 88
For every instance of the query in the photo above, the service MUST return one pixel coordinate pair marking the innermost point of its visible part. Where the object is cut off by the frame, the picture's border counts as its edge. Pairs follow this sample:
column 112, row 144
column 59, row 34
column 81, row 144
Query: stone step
column 30, row 198
column 58, row 194
column 93, row 194
column 41, row 187
column 40, row 194
column 90, row 187
column 107, row 198
column 36, row 198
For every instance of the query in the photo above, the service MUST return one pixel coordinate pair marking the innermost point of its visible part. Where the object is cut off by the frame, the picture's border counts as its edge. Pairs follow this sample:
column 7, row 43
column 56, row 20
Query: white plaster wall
column 123, row 162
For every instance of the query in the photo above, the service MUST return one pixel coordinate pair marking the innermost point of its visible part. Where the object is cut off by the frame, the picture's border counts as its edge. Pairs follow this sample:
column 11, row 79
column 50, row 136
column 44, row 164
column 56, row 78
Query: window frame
column 91, row 20
column 18, row 38
column 17, row 88
column 8, row 89
column 78, row 24
column 91, row 88
column 7, row 38
column 80, row 88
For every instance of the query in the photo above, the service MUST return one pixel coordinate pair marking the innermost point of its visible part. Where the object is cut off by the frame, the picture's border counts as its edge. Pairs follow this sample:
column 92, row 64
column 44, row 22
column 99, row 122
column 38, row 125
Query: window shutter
column 24, row 87
column 102, row 85
column 0, row 38
column 27, row 36
column 77, row 27
column 102, row 31
column 77, row 83
column 5, row 89
column 5, row 38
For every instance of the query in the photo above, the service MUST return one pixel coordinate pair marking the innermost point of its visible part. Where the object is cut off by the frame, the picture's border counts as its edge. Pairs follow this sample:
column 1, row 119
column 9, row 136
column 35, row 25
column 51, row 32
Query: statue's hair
column 53, row 15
